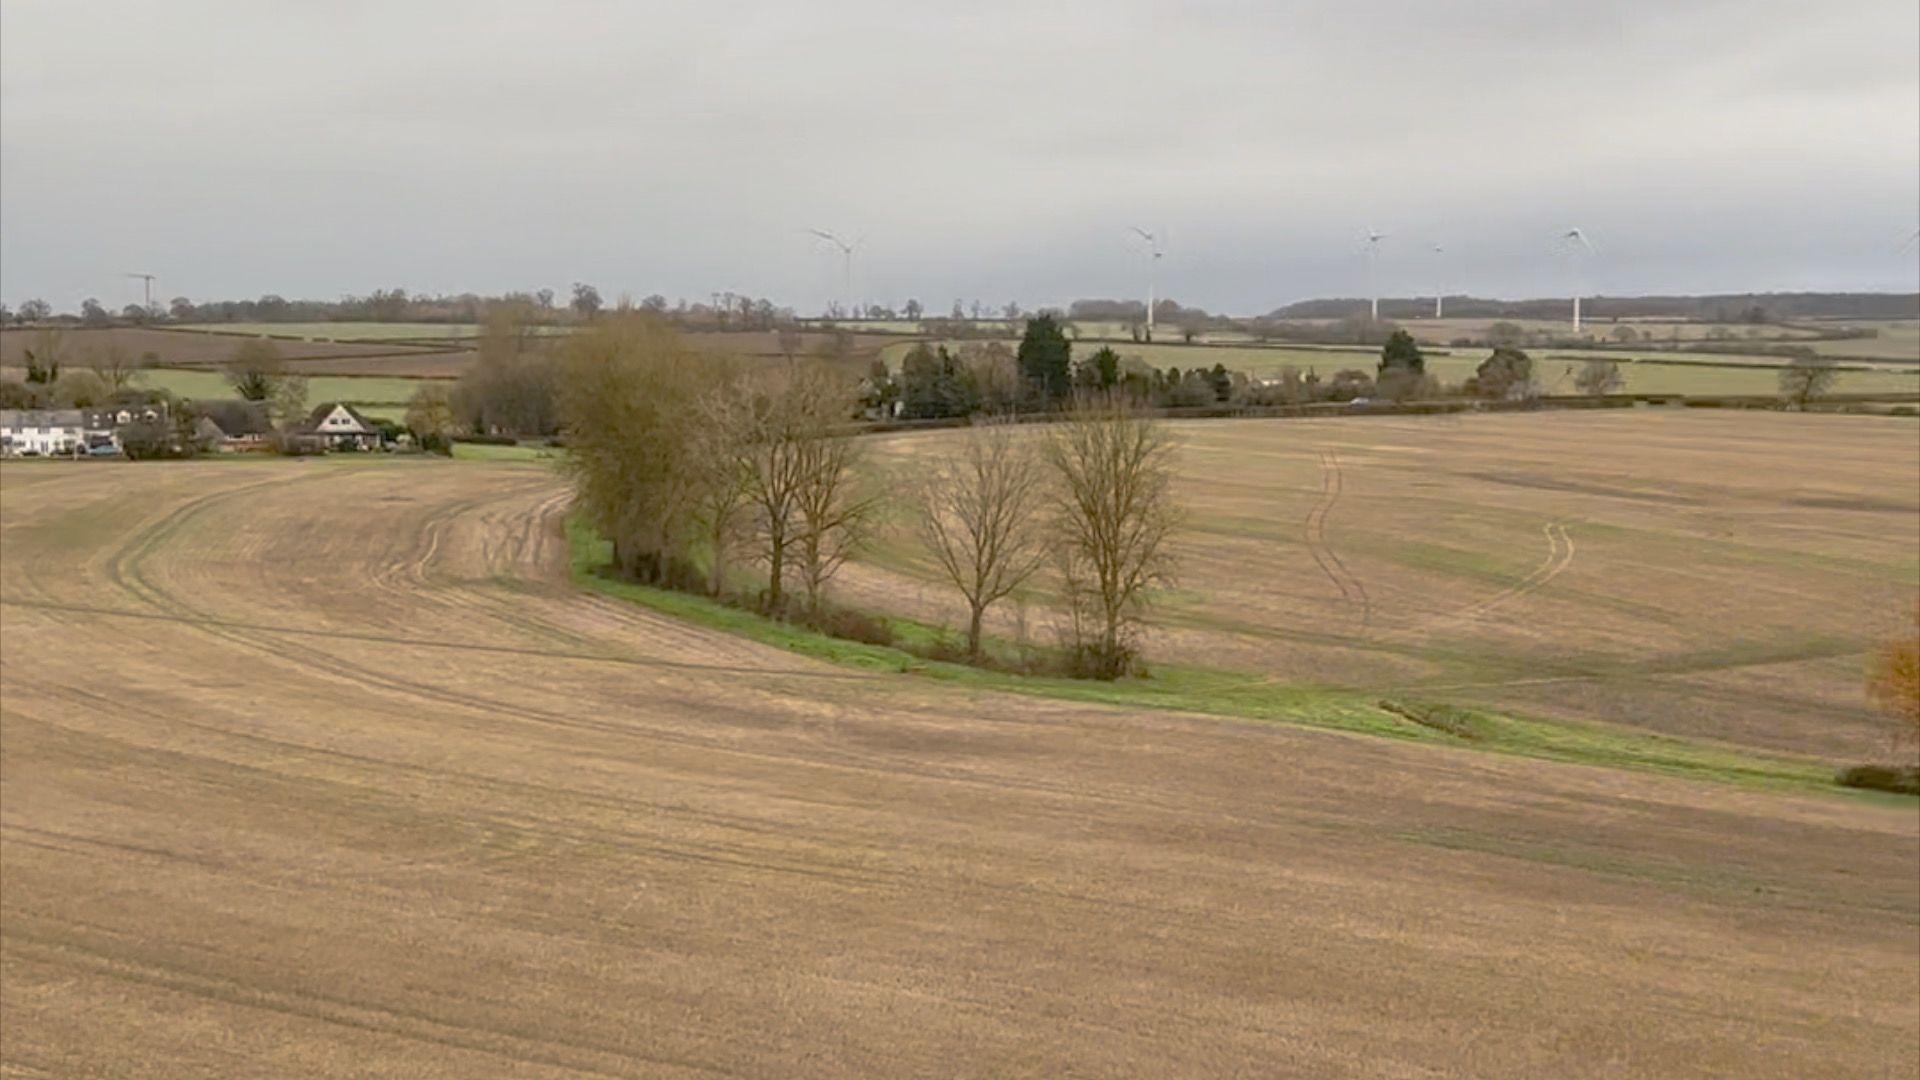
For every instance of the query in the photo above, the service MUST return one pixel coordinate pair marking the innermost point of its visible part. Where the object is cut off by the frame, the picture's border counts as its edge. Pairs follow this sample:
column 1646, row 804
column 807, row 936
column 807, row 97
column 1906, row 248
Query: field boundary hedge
column 401, row 346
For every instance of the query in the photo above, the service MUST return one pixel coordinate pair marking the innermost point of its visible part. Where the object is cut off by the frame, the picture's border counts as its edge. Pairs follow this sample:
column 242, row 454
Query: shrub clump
column 1901, row 780
column 1444, row 718
column 851, row 625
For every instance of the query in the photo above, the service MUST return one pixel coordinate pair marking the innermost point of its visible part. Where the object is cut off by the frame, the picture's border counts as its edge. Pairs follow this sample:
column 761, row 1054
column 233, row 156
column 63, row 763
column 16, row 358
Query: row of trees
column 514, row 388
column 725, row 310
column 938, row 381
column 971, row 378
column 693, row 465
column 678, row 456
column 60, row 376
column 934, row 381
column 1089, row 495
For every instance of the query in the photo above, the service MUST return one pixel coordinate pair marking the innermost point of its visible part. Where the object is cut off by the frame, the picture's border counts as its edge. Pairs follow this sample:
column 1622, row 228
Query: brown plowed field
column 434, row 365
column 180, row 348
column 1717, row 575
column 322, row 768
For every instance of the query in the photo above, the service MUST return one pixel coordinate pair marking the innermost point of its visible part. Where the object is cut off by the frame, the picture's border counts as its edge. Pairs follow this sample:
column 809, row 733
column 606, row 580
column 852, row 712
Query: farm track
column 1680, row 572
column 327, row 770
column 1352, row 590
column 1560, row 551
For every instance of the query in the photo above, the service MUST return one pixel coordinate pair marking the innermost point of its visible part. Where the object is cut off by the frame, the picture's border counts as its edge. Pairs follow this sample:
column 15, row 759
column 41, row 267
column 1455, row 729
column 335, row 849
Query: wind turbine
column 1153, row 271
column 1581, row 247
column 846, row 261
column 146, row 281
column 1373, row 271
column 1439, row 284
column 1912, row 240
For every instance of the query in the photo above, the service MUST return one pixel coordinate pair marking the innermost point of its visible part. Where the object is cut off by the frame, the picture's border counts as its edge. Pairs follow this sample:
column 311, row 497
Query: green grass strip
column 1235, row 695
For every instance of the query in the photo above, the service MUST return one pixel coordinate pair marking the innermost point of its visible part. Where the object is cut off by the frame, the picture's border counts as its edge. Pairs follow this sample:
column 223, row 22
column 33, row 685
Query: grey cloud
column 997, row 151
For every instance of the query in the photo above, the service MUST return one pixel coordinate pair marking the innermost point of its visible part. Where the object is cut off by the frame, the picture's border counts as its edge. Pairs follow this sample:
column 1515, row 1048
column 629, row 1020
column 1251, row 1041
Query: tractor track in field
column 357, row 778
column 126, row 569
column 1352, row 590
column 1560, row 552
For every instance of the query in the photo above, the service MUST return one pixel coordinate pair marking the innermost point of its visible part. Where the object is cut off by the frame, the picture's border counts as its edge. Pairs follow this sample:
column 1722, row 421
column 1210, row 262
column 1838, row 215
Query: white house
column 342, row 427
column 116, row 416
column 42, row 432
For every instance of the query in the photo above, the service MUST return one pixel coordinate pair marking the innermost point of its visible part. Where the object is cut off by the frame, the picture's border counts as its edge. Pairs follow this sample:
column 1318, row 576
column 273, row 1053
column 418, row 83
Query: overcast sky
column 983, row 151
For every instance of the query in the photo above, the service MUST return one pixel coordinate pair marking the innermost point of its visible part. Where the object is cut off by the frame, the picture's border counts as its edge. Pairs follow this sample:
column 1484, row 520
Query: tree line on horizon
column 585, row 302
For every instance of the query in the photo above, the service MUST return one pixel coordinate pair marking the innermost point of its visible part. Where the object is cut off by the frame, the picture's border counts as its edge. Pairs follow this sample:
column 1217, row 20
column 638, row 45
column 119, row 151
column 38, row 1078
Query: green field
column 464, row 451
column 1899, row 339
column 355, row 389
column 1554, row 368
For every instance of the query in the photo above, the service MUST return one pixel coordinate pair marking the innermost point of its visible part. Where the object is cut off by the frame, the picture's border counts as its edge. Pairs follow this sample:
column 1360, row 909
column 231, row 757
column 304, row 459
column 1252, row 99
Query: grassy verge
column 1228, row 694
column 356, row 390
column 464, row 451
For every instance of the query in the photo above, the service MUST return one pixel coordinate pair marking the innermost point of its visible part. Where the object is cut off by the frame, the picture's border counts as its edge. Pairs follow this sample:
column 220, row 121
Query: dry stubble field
column 1717, row 575
column 322, row 767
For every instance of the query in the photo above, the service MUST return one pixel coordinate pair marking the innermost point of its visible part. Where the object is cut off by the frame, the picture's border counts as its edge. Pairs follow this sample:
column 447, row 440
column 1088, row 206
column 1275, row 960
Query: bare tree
column 980, row 517
column 288, row 401
column 586, row 300
column 45, row 355
column 514, row 386
column 81, row 390
column 255, row 369
column 430, row 417
column 789, row 341
column 836, row 509
column 770, row 461
column 1115, row 464
column 798, row 464
column 726, row 415
column 115, row 366
column 994, row 373
column 1598, row 377
column 1805, row 379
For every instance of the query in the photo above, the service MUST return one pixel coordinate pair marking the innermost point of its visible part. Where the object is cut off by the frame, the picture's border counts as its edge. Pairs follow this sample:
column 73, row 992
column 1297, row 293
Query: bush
column 1446, row 718
column 488, row 440
column 852, row 625
column 1347, row 385
column 1504, row 374
column 153, row 440
column 296, row 444
column 1088, row 660
column 1901, row 780
column 18, row 395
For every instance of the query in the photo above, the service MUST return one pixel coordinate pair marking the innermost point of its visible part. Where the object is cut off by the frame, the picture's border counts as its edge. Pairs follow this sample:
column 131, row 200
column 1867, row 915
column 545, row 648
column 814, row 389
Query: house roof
column 321, row 412
column 109, row 417
column 39, row 418
column 237, row 416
